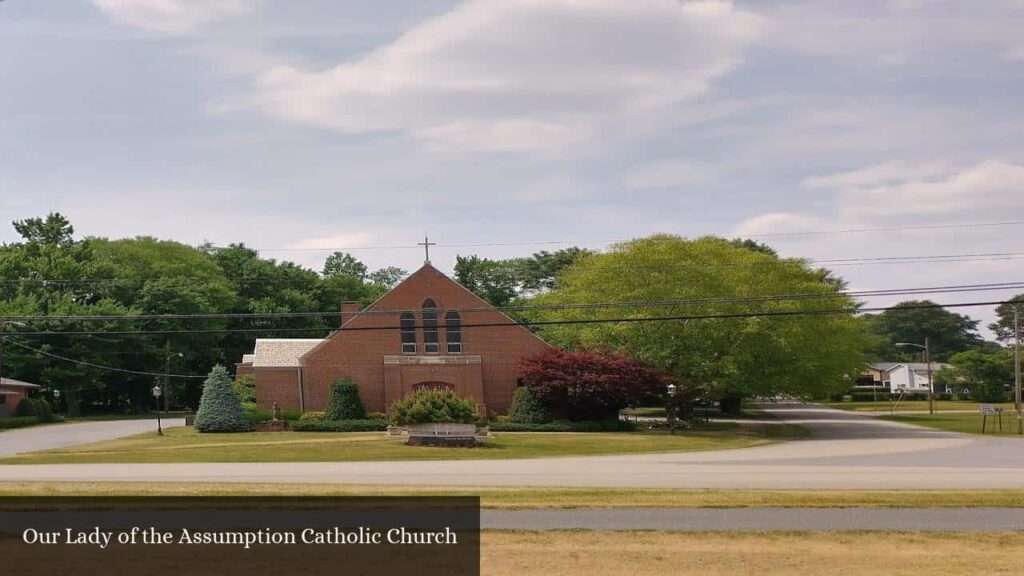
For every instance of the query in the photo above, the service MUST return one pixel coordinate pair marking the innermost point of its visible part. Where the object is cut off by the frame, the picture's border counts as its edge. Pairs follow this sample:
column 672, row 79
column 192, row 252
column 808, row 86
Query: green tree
column 220, row 409
column 914, row 320
column 492, row 280
column 735, row 356
column 343, row 401
column 987, row 375
column 1004, row 325
column 344, row 264
column 387, row 277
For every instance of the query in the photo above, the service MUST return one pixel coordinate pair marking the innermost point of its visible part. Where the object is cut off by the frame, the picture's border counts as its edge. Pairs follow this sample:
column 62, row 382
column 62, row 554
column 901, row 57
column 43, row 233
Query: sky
column 304, row 126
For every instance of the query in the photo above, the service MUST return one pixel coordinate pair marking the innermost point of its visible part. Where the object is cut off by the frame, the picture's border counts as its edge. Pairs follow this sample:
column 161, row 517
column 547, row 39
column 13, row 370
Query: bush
column 37, row 407
column 599, row 426
column 429, row 406
column 245, row 387
column 18, row 422
column 344, row 402
column 314, row 416
column 864, row 396
column 527, row 407
column 255, row 415
column 368, row 425
column 220, row 410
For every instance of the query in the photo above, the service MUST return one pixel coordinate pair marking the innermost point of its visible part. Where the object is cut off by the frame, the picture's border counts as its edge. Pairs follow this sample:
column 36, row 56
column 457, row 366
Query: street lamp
column 156, row 394
column 56, row 400
column 670, row 408
column 928, row 361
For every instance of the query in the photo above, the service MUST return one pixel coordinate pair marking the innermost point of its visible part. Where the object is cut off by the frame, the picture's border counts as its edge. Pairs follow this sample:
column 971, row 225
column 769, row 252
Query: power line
column 100, row 366
column 526, row 323
column 542, row 307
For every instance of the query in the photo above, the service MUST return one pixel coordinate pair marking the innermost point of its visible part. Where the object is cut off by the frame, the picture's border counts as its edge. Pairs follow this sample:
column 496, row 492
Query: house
column 13, row 392
column 427, row 332
column 900, row 376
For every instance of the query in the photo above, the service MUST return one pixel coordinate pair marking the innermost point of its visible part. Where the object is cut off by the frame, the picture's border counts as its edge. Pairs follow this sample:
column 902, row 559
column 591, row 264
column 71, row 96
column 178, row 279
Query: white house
column 910, row 376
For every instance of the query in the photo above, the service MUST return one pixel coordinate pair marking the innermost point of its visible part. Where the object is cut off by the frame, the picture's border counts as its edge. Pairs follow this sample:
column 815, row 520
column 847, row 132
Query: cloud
column 518, row 75
column 172, row 16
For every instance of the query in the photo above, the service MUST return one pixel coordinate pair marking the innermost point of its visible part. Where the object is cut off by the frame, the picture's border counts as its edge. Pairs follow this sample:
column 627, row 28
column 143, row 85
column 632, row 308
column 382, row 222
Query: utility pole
column 167, row 376
column 931, row 385
column 3, row 328
column 1016, row 366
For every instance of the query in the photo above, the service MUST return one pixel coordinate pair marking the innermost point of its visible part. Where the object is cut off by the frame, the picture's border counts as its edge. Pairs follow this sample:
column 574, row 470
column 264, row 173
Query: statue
column 276, row 408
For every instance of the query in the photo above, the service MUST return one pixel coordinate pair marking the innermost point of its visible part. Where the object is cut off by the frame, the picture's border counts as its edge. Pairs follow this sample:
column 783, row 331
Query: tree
column 589, row 385
column 914, row 320
column 54, row 230
column 343, row 401
column 492, row 280
column 344, row 264
column 814, row 349
column 220, row 409
column 1004, row 325
column 986, row 375
column 388, row 277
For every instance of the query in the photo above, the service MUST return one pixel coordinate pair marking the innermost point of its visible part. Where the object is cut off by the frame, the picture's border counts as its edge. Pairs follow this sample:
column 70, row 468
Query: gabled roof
column 248, row 358
column 282, row 352
column 883, row 366
column 16, row 383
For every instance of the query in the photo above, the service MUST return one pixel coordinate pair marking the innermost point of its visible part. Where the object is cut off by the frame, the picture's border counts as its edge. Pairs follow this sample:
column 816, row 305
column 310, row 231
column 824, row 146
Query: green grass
column 910, row 406
column 525, row 498
column 186, row 445
column 965, row 423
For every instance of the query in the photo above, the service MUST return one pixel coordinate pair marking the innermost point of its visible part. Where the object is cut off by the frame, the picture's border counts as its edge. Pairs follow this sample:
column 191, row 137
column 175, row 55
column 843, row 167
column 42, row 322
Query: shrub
column 428, row 406
column 314, row 416
column 527, row 407
column 589, row 385
column 368, row 425
column 865, row 396
column 344, row 402
column 245, row 387
column 18, row 422
column 598, row 426
column 220, row 410
column 36, row 407
column 255, row 415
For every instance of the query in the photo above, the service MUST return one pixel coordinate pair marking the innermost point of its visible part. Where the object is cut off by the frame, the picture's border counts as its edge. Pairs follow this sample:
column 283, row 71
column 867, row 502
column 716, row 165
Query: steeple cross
column 426, row 247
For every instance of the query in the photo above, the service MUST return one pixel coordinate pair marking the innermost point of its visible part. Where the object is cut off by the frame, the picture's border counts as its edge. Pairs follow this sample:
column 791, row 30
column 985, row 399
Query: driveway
column 63, row 435
column 847, row 451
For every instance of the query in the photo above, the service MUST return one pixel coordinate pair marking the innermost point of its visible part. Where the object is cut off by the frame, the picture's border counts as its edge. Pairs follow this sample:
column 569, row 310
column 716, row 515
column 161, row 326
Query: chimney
column 348, row 310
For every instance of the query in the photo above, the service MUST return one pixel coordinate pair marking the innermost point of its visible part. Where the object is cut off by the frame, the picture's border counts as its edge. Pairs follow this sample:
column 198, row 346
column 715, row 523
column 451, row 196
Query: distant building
column 900, row 376
column 427, row 332
column 12, row 392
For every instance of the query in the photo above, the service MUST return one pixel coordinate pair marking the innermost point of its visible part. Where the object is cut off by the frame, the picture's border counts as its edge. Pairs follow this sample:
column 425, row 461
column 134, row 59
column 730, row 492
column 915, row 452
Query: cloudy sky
column 361, row 124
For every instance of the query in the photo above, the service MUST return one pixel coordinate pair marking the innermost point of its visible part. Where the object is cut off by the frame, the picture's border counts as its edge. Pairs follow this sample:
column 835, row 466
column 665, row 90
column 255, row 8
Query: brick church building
column 423, row 333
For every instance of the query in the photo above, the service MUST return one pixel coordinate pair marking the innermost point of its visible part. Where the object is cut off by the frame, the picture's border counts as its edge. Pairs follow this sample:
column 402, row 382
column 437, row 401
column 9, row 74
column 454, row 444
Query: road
column 63, row 435
column 846, row 451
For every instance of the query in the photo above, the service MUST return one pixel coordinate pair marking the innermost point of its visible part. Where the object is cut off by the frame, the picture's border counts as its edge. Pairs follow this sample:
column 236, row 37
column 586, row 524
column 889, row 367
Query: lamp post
column 670, row 408
column 928, row 361
column 1016, row 367
column 56, row 400
column 156, row 394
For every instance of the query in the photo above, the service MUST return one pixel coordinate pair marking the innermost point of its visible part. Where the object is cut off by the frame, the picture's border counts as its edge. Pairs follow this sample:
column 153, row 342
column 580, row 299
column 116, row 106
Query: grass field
column 910, row 406
column 186, row 445
column 520, row 498
column 965, row 423
column 760, row 554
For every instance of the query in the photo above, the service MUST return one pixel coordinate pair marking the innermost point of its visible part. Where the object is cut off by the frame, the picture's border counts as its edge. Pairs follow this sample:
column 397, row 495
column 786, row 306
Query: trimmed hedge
column 527, row 407
column 257, row 416
column 18, row 422
column 220, row 409
column 315, row 416
column 610, row 426
column 343, row 402
column 367, row 425
column 36, row 407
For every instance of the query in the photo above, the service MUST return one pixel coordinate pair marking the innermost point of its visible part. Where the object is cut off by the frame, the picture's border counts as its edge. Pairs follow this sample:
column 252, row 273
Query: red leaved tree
column 590, row 385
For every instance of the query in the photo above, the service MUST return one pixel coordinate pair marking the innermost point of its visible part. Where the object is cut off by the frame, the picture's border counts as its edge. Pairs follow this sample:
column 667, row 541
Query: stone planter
column 442, row 434
column 273, row 426
column 396, row 430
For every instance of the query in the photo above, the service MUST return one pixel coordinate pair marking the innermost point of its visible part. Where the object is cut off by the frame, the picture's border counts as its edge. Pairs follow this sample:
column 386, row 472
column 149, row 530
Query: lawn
column 966, row 423
column 911, row 406
column 523, row 498
column 760, row 554
column 186, row 445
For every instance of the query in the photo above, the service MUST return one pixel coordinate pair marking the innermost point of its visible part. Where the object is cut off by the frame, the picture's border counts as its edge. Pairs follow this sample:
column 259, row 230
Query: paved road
column 759, row 519
column 847, row 450
column 63, row 435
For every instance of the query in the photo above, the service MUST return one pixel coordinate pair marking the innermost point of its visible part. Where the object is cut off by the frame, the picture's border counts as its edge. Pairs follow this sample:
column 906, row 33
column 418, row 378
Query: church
column 427, row 332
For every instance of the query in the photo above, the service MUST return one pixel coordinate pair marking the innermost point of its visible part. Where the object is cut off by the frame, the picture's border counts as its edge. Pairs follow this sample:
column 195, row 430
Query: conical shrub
column 220, row 409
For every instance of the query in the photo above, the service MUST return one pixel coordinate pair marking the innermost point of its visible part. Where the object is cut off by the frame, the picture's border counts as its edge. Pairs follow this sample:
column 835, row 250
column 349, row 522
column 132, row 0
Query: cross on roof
column 426, row 247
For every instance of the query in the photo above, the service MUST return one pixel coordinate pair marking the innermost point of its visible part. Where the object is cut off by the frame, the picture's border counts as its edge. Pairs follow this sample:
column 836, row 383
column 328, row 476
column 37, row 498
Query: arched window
column 453, row 332
column 430, row 345
column 408, row 321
